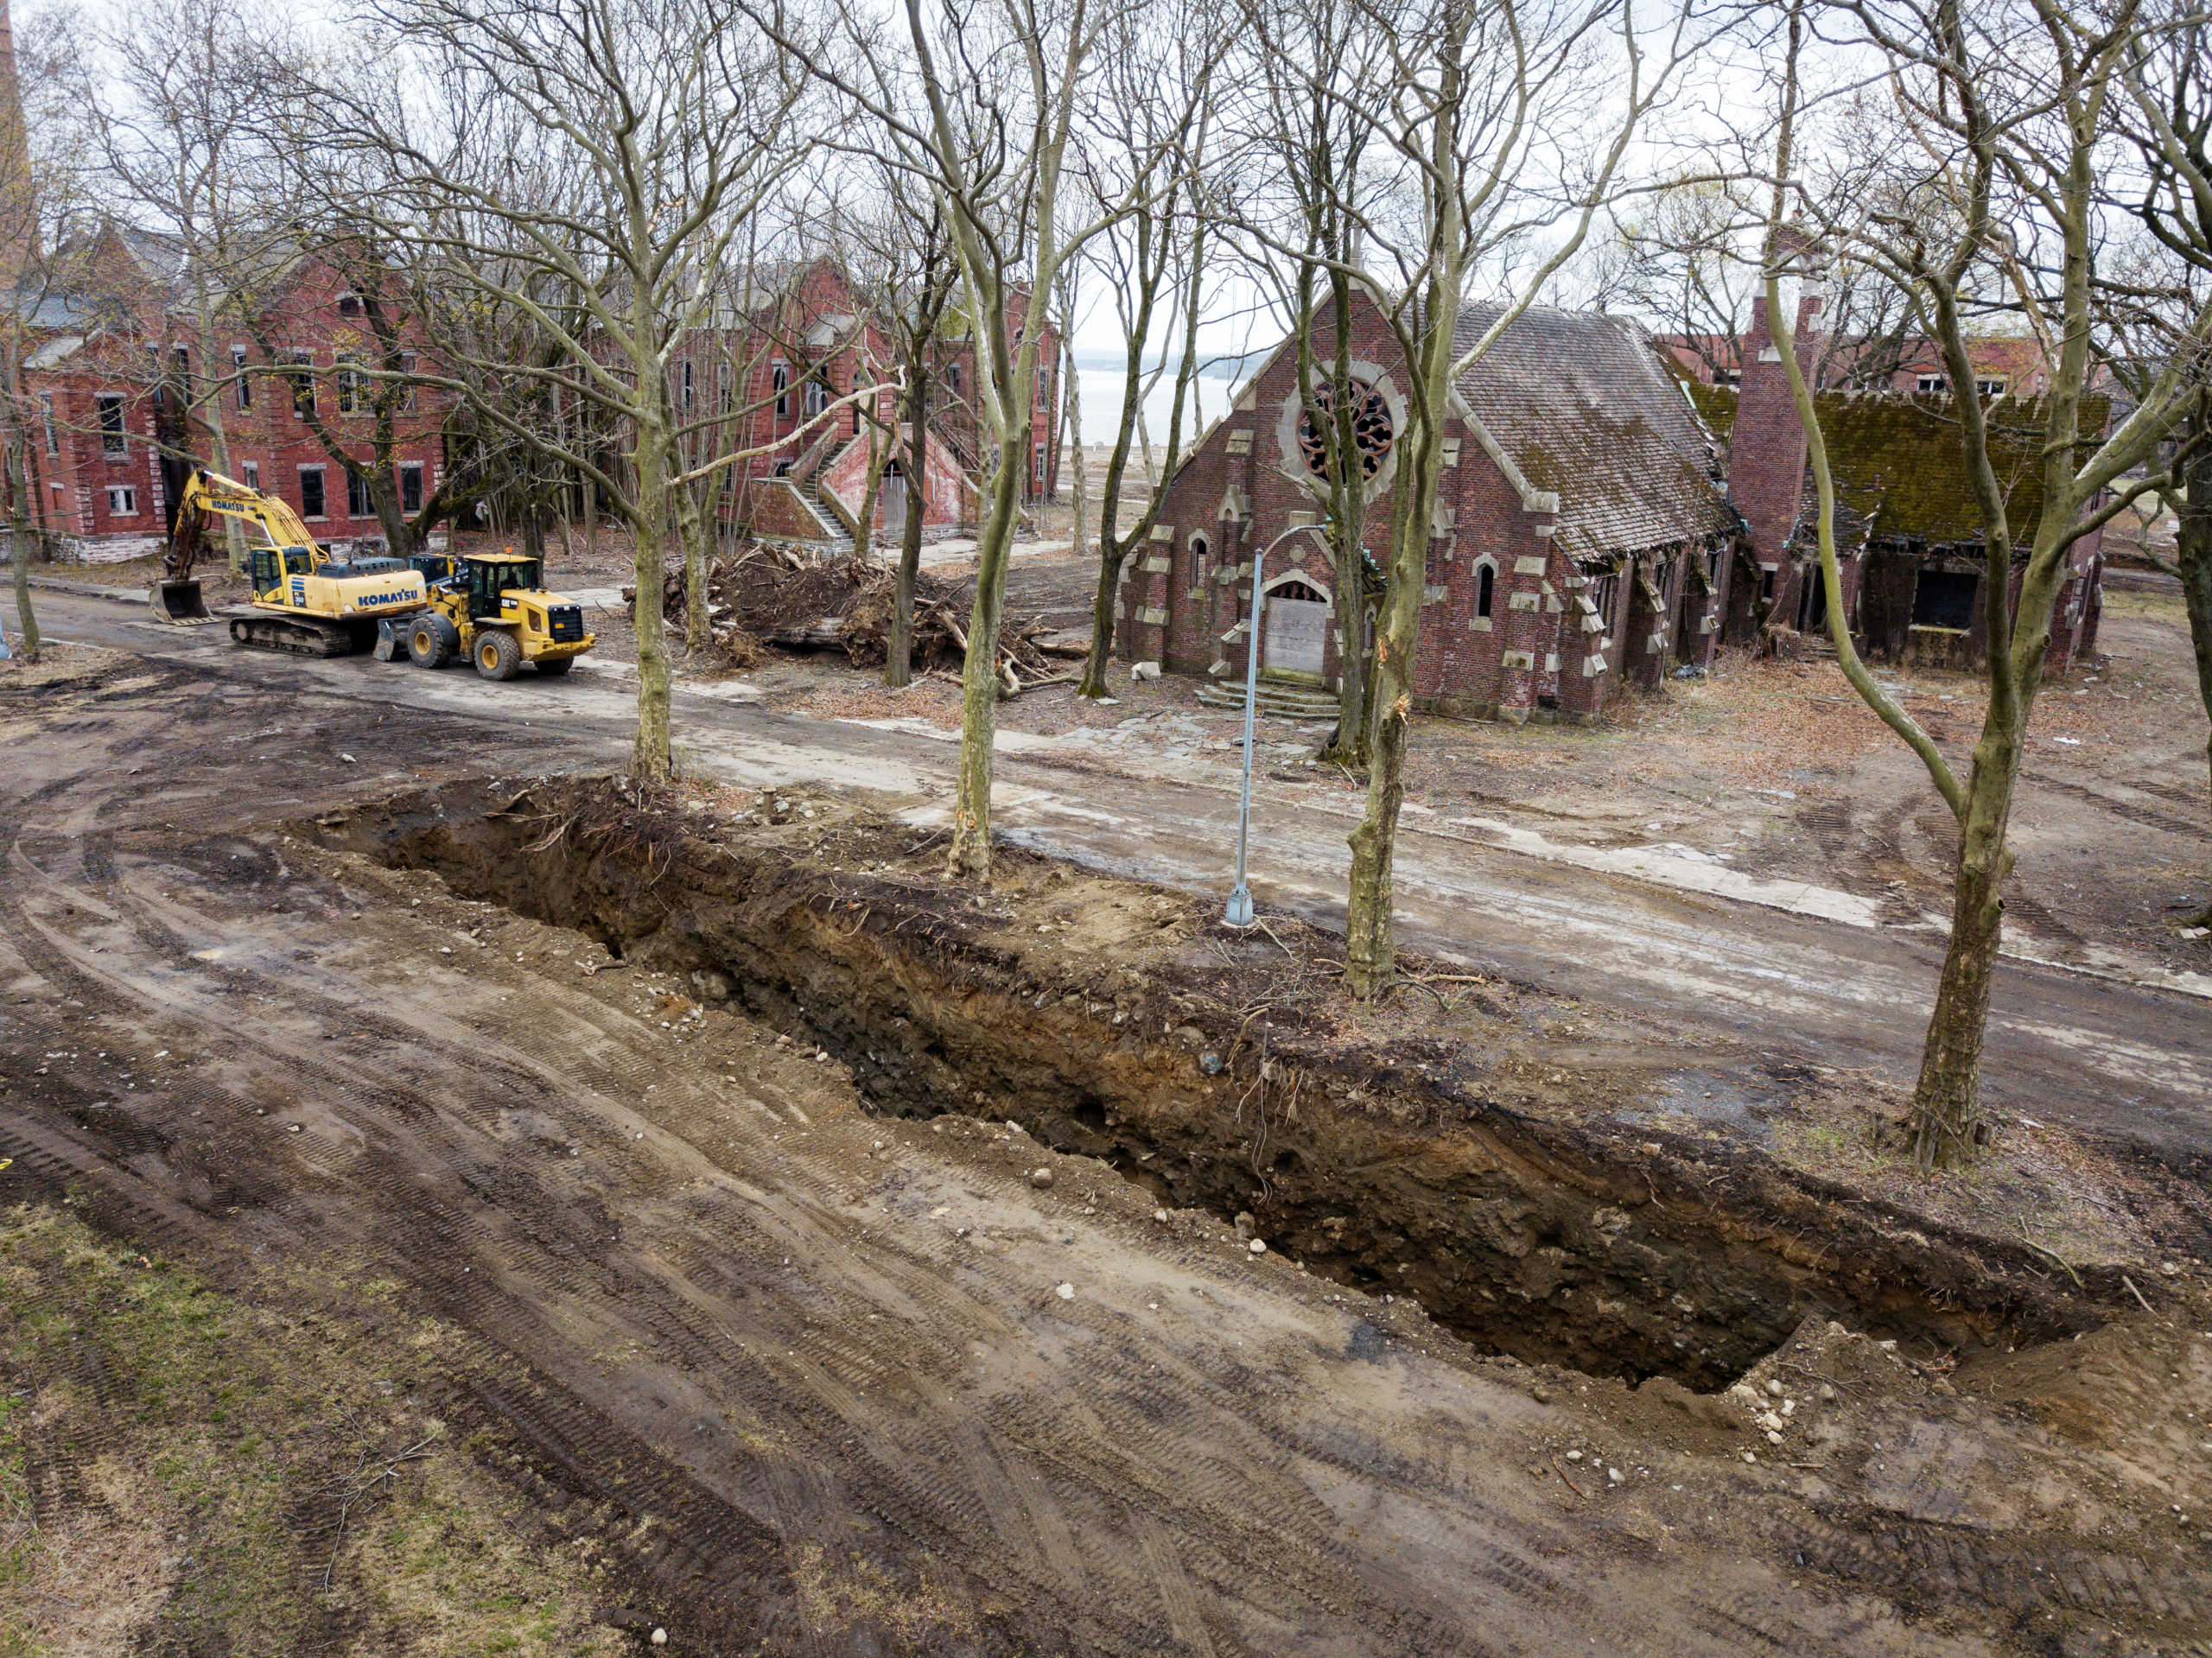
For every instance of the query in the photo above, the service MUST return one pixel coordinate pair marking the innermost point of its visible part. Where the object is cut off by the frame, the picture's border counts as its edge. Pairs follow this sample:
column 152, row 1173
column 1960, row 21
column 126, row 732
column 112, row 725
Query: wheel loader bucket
column 178, row 601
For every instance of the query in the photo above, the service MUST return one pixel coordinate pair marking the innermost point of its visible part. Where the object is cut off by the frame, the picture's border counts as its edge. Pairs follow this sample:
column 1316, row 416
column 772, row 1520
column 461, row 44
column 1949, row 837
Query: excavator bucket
column 178, row 601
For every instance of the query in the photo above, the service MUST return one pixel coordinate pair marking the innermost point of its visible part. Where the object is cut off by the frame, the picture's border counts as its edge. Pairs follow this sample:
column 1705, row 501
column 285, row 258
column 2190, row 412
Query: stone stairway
column 837, row 541
column 1275, row 698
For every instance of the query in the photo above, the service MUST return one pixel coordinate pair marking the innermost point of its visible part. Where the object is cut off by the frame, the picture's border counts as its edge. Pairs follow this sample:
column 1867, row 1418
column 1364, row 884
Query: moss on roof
column 1899, row 466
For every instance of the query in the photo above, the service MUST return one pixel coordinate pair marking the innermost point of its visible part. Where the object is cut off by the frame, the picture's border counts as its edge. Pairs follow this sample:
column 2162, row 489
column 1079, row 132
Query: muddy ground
column 636, row 1142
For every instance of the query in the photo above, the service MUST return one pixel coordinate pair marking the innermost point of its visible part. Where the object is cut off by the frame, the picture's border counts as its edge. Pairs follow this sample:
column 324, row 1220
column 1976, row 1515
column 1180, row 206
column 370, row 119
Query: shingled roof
column 1900, row 471
column 1580, row 404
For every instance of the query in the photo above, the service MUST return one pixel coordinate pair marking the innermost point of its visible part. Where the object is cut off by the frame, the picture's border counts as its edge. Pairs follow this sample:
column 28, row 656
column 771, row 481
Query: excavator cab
column 272, row 564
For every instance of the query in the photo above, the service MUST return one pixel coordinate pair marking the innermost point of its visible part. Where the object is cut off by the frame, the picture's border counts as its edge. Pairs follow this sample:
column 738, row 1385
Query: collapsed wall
column 1555, row 1240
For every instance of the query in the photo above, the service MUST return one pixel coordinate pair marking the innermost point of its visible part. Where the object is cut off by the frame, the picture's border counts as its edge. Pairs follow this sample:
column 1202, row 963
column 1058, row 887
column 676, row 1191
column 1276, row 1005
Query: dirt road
column 845, row 1385
column 2065, row 1046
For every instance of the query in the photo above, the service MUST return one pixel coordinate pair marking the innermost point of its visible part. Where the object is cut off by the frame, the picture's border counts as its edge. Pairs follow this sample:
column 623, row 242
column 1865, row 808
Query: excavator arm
column 208, row 496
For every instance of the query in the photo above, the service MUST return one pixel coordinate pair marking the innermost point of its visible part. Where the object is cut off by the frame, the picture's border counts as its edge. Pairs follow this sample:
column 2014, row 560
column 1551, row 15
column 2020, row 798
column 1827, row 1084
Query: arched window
column 1200, row 553
column 1485, row 588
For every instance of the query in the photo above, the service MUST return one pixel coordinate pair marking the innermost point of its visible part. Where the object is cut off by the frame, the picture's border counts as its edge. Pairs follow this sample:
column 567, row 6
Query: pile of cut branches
column 782, row 598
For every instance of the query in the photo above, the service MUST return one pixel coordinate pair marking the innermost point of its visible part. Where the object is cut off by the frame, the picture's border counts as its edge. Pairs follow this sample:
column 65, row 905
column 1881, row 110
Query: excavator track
column 304, row 636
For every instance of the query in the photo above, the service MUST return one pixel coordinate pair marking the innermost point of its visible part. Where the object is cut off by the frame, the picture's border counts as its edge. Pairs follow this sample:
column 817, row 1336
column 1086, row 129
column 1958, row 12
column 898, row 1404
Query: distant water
column 1101, row 404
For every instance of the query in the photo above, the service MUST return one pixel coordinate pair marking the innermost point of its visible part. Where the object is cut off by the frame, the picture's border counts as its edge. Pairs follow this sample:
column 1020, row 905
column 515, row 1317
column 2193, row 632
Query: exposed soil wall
column 1095, row 1014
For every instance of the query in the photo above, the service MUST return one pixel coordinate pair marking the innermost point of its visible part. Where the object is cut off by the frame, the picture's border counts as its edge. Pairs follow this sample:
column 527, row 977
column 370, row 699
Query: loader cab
column 493, row 575
column 272, row 564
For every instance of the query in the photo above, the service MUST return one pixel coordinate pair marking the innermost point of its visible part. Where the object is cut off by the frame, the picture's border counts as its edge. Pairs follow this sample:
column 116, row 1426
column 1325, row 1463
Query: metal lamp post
column 1240, row 898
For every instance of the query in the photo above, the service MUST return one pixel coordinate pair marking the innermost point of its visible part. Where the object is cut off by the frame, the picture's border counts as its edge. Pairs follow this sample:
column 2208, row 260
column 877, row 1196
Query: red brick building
column 804, row 337
column 1579, row 534
column 125, row 390
column 1908, row 532
column 2005, row 365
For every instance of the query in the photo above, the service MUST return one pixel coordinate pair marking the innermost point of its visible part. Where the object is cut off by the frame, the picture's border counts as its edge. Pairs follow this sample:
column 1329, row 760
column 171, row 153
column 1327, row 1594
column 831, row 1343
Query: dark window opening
column 253, row 474
column 358, row 504
column 814, row 397
column 351, row 400
column 1944, row 599
column 1371, row 428
column 779, row 377
column 303, row 377
column 407, row 391
column 112, row 442
column 1200, row 553
column 311, row 502
column 1486, row 590
column 349, row 305
column 410, row 487
column 244, row 380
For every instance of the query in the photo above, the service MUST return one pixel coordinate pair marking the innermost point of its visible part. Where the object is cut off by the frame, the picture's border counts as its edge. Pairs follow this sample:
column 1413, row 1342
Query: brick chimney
column 1766, row 448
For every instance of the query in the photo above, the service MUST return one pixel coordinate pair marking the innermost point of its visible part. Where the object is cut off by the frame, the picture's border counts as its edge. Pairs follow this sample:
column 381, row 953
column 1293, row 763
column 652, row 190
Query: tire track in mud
column 1031, row 1485
column 451, row 1234
column 1204, row 1508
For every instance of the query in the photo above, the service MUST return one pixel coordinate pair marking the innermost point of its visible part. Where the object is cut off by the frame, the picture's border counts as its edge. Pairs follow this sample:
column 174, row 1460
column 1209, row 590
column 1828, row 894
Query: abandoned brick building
column 1601, row 515
column 123, row 389
column 802, row 337
column 1908, row 532
column 1580, row 534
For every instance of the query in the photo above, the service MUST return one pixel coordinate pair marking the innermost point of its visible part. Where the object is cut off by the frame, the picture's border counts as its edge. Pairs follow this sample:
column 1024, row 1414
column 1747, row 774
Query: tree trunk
column 19, row 527
column 971, row 855
column 2193, row 558
column 864, row 525
column 1350, row 746
column 1079, row 478
column 1947, row 1126
column 384, row 496
column 691, row 531
column 1370, row 948
column 899, row 663
column 650, row 761
column 1111, row 556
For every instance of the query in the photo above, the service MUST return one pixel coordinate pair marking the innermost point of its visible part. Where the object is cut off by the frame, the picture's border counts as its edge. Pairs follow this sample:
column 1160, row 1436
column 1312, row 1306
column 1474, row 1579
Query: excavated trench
column 1553, row 1241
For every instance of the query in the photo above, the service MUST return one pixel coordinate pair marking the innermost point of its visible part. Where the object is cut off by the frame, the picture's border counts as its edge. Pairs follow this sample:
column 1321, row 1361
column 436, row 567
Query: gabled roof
column 1580, row 404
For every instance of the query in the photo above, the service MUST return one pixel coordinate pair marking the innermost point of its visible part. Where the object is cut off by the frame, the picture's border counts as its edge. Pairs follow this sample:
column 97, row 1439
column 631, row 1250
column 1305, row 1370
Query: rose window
column 1371, row 430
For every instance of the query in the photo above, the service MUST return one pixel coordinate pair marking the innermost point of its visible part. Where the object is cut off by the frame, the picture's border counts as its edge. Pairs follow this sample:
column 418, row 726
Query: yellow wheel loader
column 303, row 602
column 494, row 609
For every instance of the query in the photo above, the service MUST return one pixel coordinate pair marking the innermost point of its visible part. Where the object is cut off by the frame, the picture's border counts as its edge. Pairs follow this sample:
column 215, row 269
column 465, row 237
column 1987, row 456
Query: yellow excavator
column 303, row 601
column 493, row 608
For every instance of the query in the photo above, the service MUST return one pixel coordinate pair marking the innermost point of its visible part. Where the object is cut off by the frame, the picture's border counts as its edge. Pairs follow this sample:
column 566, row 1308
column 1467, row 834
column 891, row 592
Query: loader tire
column 555, row 668
column 431, row 640
column 498, row 656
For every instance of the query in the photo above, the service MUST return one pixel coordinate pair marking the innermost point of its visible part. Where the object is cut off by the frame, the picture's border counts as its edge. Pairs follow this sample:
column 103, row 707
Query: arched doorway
column 1295, row 631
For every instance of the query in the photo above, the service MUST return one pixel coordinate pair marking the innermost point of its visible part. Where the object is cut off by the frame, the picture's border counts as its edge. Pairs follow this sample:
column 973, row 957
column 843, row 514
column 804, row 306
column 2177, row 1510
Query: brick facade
column 1527, row 612
column 808, row 338
column 122, row 384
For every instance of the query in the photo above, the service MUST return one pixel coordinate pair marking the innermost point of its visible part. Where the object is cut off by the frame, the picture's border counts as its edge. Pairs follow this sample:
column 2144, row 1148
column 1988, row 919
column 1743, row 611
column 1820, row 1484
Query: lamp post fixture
column 1240, row 898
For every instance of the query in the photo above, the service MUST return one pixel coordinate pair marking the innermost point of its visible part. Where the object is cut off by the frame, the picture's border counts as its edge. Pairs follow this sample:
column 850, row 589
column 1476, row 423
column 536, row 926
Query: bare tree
column 2168, row 118
column 588, row 162
column 1498, row 123
column 1156, row 252
column 981, row 104
column 39, row 196
column 2004, row 127
column 178, row 98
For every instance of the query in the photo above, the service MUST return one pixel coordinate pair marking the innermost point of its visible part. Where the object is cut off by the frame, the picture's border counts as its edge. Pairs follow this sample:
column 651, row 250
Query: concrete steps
column 1275, row 699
